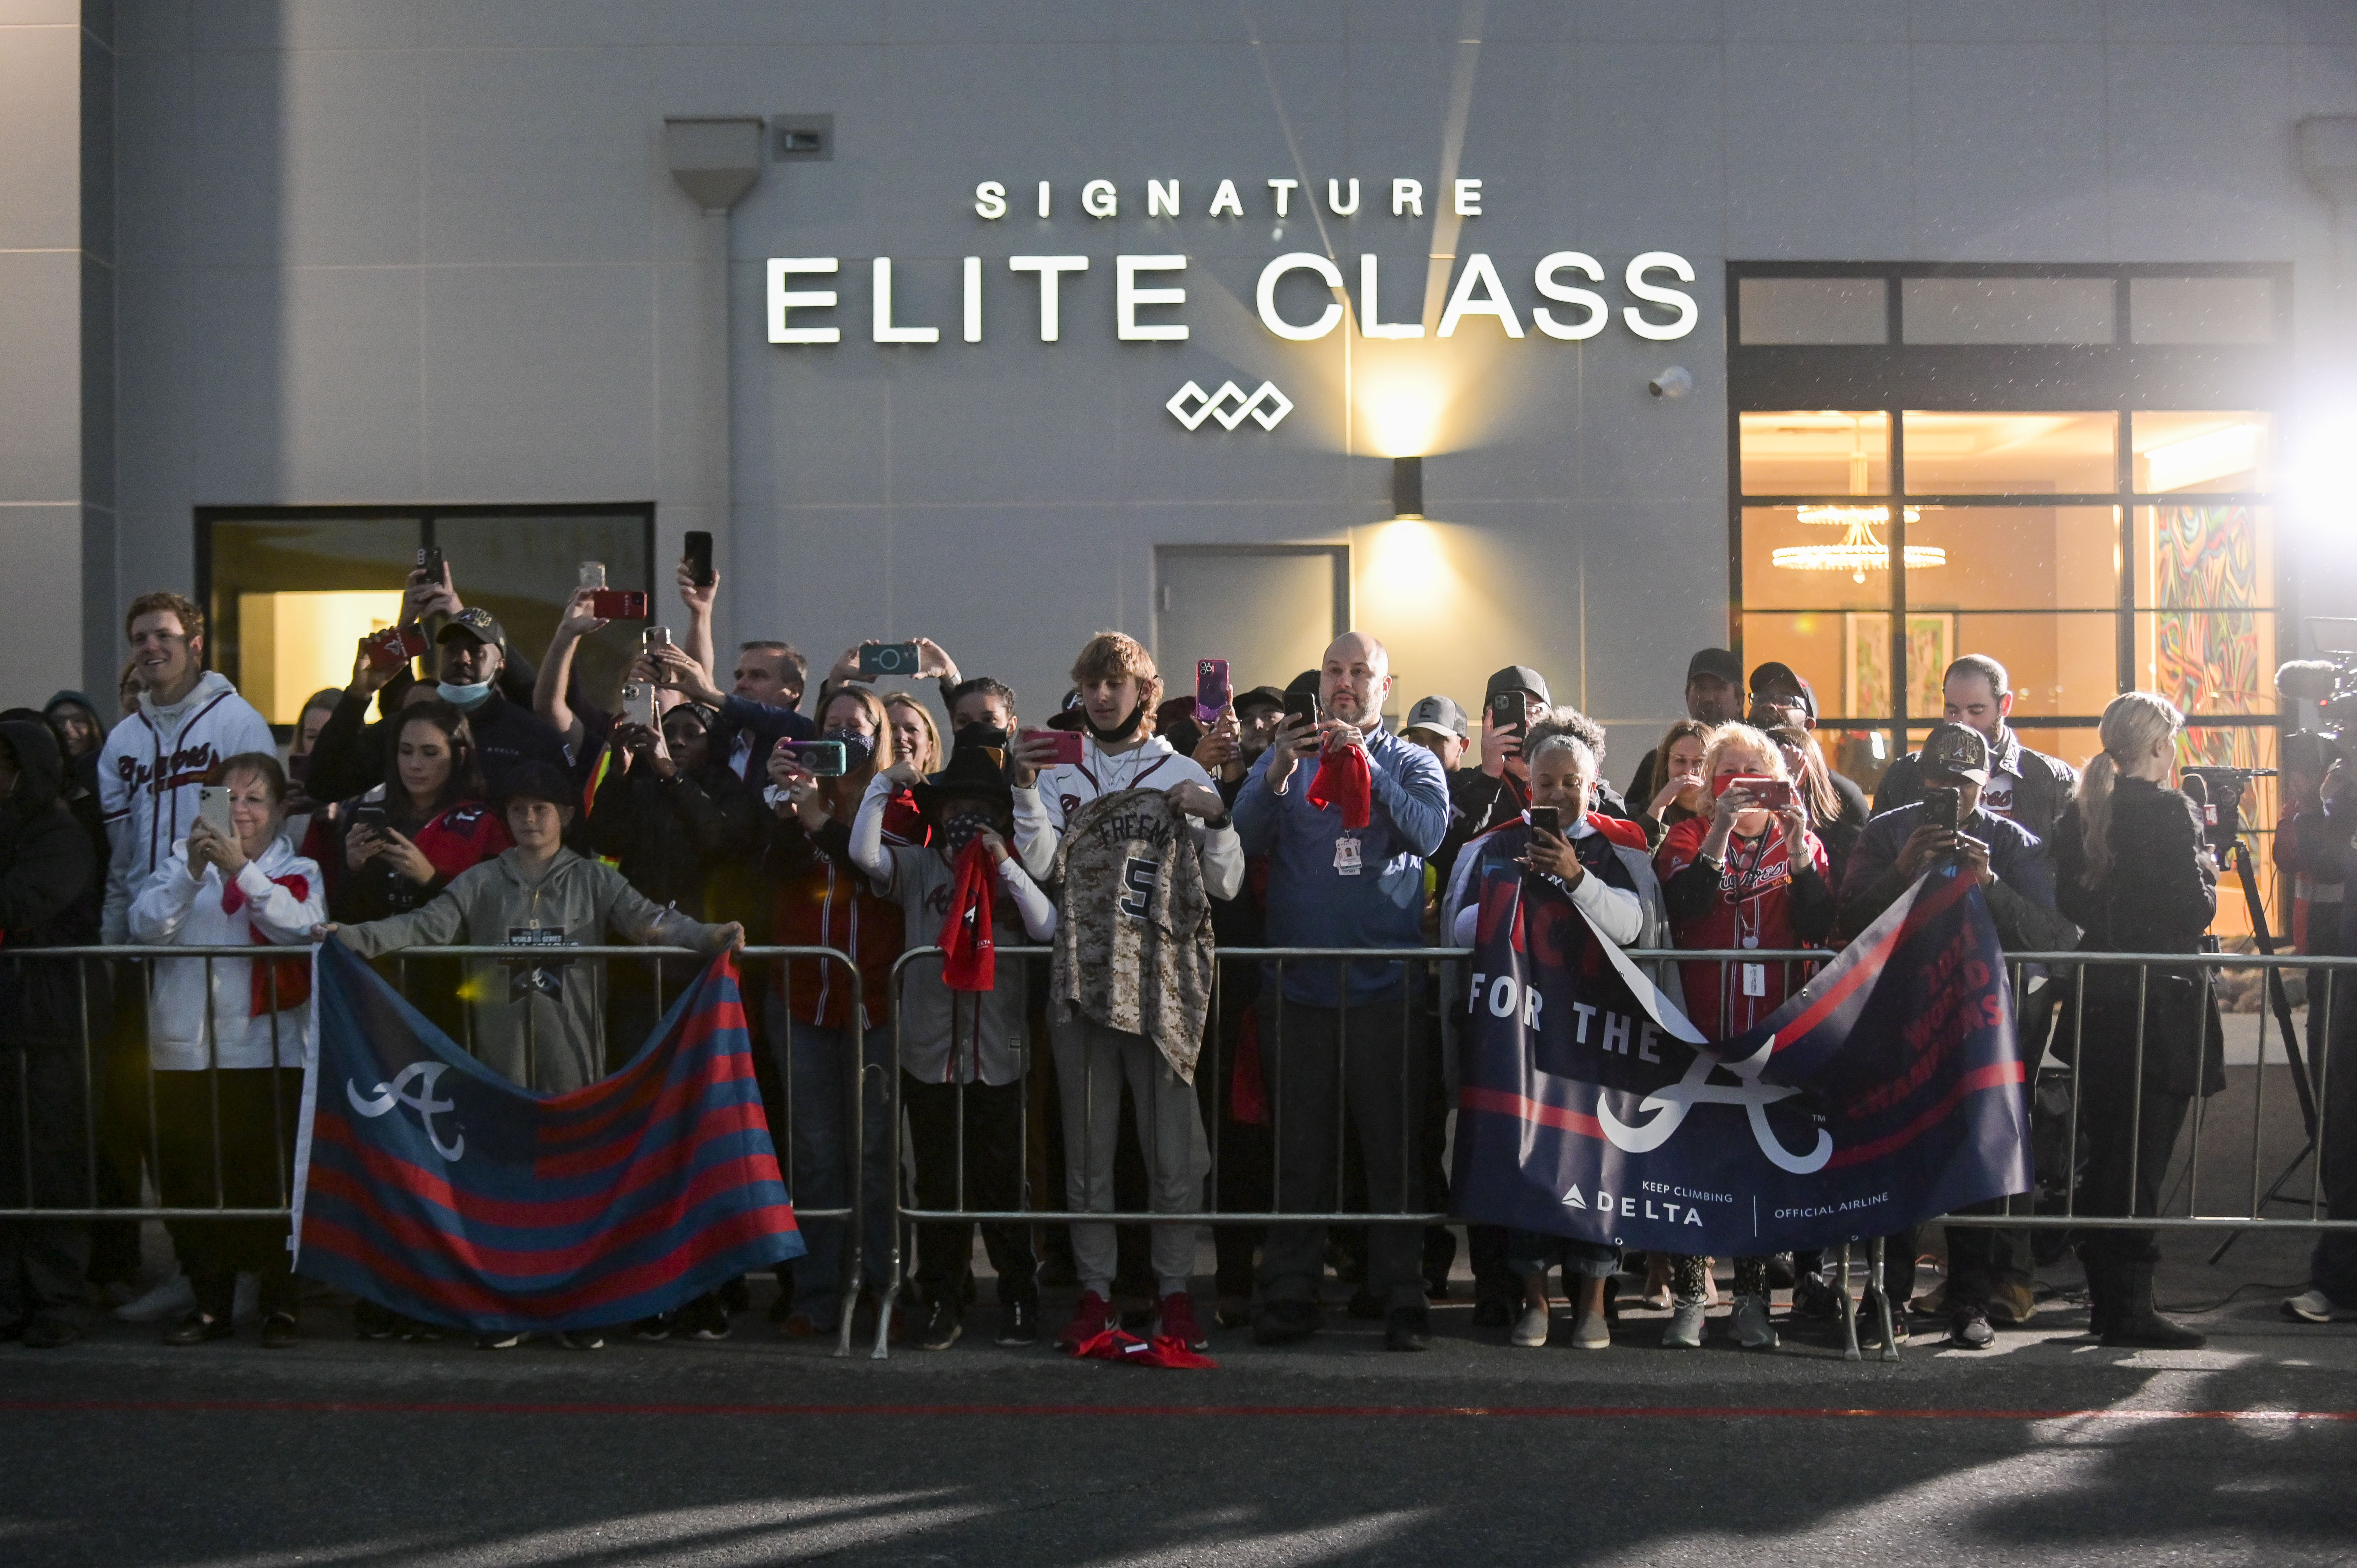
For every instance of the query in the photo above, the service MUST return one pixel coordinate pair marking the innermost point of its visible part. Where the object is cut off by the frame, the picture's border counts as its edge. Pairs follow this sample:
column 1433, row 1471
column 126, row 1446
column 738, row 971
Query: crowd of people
column 494, row 803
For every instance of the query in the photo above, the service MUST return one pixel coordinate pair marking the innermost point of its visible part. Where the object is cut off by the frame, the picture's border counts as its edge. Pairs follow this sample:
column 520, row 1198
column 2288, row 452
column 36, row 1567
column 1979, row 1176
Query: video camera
column 2220, row 799
column 2330, row 680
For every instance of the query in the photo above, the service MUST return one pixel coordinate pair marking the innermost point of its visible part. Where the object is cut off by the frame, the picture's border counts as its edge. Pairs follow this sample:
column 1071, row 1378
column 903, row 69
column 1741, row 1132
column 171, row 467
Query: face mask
column 858, row 750
column 1128, row 726
column 463, row 698
column 960, row 830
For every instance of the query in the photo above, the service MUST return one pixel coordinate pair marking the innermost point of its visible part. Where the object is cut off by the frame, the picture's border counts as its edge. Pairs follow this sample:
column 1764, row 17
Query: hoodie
column 48, row 898
column 148, row 775
column 260, row 1013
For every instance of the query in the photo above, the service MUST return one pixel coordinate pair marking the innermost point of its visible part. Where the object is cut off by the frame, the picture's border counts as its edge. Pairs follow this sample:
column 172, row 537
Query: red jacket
column 825, row 901
column 1753, row 909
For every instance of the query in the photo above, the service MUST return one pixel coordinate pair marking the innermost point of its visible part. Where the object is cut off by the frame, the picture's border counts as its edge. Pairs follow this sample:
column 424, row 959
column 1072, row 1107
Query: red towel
column 1344, row 779
column 969, row 957
column 294, row 987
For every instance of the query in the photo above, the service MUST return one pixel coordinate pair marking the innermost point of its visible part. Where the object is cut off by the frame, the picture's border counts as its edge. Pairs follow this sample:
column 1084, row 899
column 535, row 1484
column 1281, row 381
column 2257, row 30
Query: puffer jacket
column 538, row 1019
column 49, row 893
column 275, row 898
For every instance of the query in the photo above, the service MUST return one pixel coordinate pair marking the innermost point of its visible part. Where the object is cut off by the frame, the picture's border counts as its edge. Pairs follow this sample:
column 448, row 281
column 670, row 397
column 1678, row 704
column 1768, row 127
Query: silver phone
column 213, row 806
column 639, row 704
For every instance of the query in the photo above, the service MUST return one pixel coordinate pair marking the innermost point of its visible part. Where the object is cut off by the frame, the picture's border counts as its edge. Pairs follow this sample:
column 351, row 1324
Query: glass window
column 2064, row 665
column 2011, row 454
column 2007, row 310
column 1814, row 310
column 1811, row 642
column 2202, row 452
column 291, row 597
column 1791, row 563
column 1827, row 452
column 524, row 569
column 2013, row 558
column 2202, row 310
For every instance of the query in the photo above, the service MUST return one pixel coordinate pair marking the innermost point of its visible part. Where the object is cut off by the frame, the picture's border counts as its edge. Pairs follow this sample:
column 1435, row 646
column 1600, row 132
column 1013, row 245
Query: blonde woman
column 2132, row 871
column 916, row 739
column 1747, row 875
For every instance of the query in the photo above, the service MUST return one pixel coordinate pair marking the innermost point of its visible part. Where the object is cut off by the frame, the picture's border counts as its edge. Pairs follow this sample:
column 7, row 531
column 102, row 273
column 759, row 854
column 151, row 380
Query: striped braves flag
column 431, row 1184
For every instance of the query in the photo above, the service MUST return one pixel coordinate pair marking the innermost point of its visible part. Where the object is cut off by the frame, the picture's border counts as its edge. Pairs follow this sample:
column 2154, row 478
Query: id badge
column 1755, row 979
column 1346, row 856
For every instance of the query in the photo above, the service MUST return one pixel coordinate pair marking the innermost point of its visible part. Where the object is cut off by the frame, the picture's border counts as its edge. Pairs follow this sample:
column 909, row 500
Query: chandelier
column 1858, row 551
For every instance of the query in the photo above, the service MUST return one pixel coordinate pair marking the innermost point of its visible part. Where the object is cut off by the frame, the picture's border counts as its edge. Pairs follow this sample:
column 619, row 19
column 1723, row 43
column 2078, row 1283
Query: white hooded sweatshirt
column 148, row 775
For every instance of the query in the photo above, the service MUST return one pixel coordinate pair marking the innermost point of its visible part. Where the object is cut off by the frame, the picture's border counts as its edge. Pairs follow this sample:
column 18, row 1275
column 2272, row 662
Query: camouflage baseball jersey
column 1133, row 924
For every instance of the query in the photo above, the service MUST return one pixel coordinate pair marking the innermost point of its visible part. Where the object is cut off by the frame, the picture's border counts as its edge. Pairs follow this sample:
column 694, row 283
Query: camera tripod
column 2279, row 1002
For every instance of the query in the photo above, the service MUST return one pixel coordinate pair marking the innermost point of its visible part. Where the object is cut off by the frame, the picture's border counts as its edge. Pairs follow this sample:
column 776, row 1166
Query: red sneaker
column 1175, row 1319
column 1091, row 1318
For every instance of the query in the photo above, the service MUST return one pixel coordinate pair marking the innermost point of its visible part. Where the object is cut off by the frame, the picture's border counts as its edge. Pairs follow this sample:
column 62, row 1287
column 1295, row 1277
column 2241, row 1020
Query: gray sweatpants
column 1091, row 1064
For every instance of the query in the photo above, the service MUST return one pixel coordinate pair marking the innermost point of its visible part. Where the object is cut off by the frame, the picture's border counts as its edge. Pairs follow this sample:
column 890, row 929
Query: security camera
column 1675, row 382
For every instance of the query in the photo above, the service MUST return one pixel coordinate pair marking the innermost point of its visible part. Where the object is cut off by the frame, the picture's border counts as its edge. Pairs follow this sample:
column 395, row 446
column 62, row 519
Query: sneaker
column 1753, row 1329
column 944, row 1321
column 1174, row 1317
column 1407, row 1329
column 580, row 1340
column 54, row 1331
column 415, row 1332
column 370, row 1321
column 653, row 1330
column 2012, row 1301
column 705, row 1318
column 1968, row 1329
column 497, row 1341
column 279, row 1331
column 2312, row 1305
column 1684, row 1332
column 1531, row 1329
column 1286, row 1322
column 1018, row 1323
column 1091, row 1317
column 196, row 1328
column 1813, row 1298
column 1591, row 1333
column 173, row 1298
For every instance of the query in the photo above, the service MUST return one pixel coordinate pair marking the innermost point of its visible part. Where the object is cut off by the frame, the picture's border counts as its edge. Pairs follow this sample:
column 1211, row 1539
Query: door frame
column 1338, row 554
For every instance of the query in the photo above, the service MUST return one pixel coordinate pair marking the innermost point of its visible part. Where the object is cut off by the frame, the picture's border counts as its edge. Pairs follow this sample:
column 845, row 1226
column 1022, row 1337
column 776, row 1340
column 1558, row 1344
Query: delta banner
column 431, row 1184
column 1885, row 1092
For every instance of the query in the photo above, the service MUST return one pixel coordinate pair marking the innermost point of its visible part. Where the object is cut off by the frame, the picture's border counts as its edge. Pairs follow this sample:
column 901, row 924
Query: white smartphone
column 639, row 704
column 213, row 806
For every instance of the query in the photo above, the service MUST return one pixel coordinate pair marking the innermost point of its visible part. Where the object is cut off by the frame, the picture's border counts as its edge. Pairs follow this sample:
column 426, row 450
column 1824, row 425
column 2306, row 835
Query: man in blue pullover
column 1333, row 886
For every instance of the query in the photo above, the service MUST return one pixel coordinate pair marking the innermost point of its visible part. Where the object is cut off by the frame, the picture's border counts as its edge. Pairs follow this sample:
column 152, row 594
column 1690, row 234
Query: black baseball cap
column 1307, row 681
column 478, row 623
column 1777, row 676
column 1519, row 678
column 1955, row 751
column 1259, row 697
column 1717, row 662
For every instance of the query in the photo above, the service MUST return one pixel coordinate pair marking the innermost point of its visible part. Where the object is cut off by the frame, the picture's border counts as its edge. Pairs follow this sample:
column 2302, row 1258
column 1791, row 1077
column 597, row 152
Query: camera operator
column 2318, row 842
column 2133, row 872
column 1990, row 1272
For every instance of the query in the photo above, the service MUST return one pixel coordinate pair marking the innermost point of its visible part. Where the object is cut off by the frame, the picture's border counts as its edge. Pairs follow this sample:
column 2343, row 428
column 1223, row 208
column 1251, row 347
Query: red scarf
column 294, row 987
column 1345, row 780
column 969, row 957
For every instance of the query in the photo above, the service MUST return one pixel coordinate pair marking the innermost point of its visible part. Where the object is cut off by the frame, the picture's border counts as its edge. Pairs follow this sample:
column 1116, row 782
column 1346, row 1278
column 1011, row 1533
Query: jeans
column 819, row 1107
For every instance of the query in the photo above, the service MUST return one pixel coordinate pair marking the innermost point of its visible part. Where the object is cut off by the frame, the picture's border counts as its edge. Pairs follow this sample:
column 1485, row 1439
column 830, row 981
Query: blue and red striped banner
column 429, row 1184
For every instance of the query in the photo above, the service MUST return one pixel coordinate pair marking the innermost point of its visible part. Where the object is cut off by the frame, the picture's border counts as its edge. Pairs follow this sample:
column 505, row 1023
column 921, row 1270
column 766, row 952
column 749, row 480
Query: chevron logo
column 1190, row 405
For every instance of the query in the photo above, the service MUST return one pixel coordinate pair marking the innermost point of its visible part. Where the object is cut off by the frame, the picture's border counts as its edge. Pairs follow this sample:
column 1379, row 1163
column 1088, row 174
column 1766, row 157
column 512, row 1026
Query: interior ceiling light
column 1836, row 516
column 1858, row 552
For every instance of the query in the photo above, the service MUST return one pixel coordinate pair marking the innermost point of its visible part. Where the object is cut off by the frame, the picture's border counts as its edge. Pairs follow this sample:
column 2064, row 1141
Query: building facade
column 1856, row 332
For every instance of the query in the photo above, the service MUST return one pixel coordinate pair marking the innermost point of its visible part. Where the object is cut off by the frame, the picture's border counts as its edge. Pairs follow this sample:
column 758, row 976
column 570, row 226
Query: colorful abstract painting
column 1931, row 641
column 2210, row 647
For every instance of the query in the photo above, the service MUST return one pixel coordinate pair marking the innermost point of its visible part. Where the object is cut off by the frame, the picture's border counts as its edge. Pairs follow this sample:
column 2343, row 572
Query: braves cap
column 1439, row 715
column 1955, row 751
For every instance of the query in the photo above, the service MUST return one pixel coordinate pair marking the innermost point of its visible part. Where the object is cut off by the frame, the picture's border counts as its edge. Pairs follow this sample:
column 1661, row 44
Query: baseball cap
column 478, row 623
column 1308, row 680
column 538, row 781
column 1439, row 715
column 1775, row 676
column 1953, row 751
column 1260, row 696
column 1716, row 662
column 1518, row 678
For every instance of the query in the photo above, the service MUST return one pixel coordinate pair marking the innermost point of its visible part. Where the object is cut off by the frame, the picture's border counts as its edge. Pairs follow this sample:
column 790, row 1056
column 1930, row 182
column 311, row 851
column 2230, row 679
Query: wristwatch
column 1225, row 819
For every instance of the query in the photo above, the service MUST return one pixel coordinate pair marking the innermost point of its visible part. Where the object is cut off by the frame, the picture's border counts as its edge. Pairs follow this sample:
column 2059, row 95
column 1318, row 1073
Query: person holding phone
column 227, row 1038
column 395, row 846
column 2015, row 877
column 1498, row 790
column 1750, row 875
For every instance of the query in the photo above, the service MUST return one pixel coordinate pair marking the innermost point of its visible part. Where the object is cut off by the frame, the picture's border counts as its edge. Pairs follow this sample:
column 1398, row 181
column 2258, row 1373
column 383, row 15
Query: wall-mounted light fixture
column 1407, row 487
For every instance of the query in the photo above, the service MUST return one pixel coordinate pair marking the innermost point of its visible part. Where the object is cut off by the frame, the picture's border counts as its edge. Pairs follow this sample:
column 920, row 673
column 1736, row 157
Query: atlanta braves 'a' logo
column 385, row 1096
column 1667, row 1107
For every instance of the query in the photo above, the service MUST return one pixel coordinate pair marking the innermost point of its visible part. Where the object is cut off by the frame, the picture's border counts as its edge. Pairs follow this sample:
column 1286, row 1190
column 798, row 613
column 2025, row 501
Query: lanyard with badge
column 1754, row 976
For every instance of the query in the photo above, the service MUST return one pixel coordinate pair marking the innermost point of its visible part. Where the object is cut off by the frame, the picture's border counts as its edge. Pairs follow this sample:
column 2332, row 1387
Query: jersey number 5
column 1137, row 877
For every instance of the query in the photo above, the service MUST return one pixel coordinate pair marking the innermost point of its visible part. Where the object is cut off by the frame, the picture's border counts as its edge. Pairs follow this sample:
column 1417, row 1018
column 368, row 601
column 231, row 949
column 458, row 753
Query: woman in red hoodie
column 1750, row 875
column 824, row 900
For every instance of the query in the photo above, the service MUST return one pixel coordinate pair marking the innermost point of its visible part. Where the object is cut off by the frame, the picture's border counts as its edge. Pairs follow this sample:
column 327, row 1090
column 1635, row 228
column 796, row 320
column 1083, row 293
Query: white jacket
column 149, row 775
column 280, row 899
column 1041, row 810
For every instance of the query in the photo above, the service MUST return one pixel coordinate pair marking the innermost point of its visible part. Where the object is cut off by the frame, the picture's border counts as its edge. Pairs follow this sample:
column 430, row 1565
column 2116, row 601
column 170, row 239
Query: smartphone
column 1944, row 807
column 429, row 560
column 888, row 659
column 1547, row 819
column 1508, row 714
column 369, row 817
column 593, row 574
column 1212, row 690
column 638, row 703
column 1302, row 706
column 655, row 636
column 699, row 557
column 820, row 759
column 393, row 647
column 213, row 806
column 1067, row 743
column 617, row 604
column 1773, row 794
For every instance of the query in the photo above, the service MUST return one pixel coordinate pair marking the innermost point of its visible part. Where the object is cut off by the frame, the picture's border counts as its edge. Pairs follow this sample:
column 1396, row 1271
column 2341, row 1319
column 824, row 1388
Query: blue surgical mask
column 464, row 698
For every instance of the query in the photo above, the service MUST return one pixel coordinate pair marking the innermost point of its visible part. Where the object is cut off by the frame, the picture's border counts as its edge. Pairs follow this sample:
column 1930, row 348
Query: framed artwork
column 1866, row 662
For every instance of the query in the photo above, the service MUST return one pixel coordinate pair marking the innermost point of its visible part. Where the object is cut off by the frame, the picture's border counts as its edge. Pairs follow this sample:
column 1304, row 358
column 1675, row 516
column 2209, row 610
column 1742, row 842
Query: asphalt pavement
column 755, row 1450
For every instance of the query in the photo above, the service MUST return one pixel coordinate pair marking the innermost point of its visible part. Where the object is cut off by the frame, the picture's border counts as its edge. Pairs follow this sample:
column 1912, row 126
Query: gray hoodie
column 542, row 1022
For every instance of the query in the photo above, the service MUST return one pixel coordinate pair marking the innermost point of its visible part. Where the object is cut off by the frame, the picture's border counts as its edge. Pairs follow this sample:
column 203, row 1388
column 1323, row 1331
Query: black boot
column 2103, row 1290
column 2132, row 1320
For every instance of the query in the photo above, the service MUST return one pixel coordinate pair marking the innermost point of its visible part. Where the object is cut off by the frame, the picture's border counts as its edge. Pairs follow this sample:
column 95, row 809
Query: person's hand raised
column 1296, row 738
